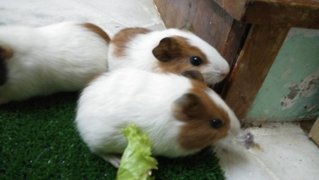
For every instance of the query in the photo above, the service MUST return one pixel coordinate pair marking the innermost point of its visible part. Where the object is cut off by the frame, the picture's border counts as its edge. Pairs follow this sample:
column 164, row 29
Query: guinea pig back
column 181, row 116
column 37, row 61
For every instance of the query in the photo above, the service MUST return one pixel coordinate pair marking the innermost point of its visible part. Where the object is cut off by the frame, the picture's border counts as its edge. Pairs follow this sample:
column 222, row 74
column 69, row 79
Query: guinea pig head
column 204, row 122
column 178, row 53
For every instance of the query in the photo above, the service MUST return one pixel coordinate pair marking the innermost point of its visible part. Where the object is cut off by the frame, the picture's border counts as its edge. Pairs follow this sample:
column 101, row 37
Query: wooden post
column 255, row 59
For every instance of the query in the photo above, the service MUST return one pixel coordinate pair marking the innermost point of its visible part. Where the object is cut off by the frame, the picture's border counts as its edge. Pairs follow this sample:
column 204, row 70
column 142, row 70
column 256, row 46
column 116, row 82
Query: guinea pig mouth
column 213, row 78
column 213, row 75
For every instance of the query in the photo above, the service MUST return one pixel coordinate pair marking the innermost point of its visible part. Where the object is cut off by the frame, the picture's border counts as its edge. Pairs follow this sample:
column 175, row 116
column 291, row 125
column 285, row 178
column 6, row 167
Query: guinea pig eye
column 216, row 123
column 196, row 61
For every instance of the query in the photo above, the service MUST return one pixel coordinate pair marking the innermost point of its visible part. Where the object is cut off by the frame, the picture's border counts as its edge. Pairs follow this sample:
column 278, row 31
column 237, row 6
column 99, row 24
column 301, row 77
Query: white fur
column 125, row 96
column 58, row 57
column 139, row 54
column 234, row 131
column 234, row 122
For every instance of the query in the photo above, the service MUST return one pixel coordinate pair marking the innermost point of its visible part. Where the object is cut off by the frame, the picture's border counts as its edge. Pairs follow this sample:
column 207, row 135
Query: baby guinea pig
column 170, row 50
column 180, row 115
column 44, row 60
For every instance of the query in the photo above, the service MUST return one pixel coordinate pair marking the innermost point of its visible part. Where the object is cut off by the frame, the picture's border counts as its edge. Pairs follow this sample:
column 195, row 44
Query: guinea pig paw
column 112, row 159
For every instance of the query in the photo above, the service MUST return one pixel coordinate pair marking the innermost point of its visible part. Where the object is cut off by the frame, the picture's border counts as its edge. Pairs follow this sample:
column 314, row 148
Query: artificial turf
column 38, row 140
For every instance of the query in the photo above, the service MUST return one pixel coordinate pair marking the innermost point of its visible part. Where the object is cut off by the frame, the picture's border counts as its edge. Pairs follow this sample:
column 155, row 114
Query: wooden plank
column 175, row 13
column 206, row 19
column 236, row 8
column 234, row 40
column 252, row 66
column 298, row 13
column 314, row 132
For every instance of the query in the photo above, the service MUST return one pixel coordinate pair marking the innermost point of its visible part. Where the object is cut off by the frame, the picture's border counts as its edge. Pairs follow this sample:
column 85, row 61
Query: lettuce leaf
column 136, row 162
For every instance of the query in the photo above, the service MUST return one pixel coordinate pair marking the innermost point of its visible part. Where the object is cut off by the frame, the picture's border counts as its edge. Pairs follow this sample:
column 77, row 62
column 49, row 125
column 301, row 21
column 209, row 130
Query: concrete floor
column 285, row 151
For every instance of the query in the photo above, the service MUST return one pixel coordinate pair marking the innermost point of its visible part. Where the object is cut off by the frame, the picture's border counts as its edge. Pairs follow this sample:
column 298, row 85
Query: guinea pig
column 170, row 50
column 37, row 61
column 180, row 115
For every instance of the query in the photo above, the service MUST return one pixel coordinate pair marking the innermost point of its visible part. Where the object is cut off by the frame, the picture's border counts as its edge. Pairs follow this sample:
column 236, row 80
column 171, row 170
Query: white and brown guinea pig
column 180, row 115
column 38, row 61
column 170, row 50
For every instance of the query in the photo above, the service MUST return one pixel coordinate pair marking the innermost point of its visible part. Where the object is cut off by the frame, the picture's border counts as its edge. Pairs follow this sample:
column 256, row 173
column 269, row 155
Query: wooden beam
column 175, row 13
column 298, row 13
column 255, row 59
column 236, row 8
column 234, row 40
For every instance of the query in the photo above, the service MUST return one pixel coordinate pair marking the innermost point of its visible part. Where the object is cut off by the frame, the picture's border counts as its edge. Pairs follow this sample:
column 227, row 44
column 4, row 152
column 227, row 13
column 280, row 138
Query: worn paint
column 291, row 88
column 306, row 88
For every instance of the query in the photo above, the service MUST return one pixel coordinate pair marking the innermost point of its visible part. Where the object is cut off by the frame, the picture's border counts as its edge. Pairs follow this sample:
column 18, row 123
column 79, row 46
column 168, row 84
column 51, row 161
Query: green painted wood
column 291, row 89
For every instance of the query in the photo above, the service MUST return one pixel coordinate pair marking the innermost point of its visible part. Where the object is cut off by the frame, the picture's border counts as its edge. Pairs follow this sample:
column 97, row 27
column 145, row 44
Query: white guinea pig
column 181, row 116
column 170, row 50
column 49, row 59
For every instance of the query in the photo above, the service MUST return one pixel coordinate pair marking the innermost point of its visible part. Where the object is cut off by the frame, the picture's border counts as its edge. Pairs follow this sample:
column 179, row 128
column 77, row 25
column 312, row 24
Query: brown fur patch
column 197, row 133
column 5, row 52
column 121, row 39
column 97, row 30
column 194, row 75
column 179, row 51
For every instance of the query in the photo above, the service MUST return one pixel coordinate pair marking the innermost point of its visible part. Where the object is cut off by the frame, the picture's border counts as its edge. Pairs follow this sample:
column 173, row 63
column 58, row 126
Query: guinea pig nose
column 224, row 72
column 216, row 123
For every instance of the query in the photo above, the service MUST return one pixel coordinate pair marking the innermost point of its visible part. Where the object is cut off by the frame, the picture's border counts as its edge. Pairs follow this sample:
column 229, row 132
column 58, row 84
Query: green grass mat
column 38, row 140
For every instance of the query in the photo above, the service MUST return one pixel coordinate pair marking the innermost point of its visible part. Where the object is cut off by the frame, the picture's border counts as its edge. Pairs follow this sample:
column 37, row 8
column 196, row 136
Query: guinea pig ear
column 5, row 53
column 195, row 75
column 167, row 49
column 189, row 107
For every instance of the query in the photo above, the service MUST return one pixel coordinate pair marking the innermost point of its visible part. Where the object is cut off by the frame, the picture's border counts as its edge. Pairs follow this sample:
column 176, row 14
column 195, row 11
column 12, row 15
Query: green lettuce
column 136, row 162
